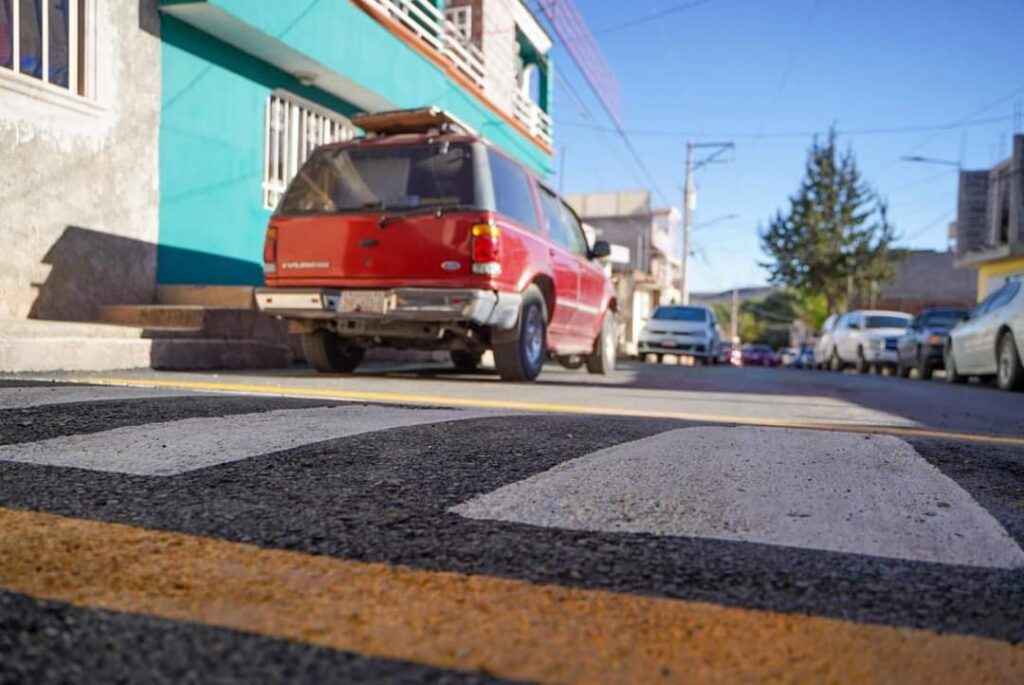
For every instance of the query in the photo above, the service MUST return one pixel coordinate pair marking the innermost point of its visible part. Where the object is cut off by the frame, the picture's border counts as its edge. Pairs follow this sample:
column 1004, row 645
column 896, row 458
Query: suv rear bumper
column 418, row 305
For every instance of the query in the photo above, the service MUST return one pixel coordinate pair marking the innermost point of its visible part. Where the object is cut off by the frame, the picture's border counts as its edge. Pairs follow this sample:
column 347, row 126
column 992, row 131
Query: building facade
column 146, row 142
column 79, row 139
column 926, row 278
column 990, row 221
column 647, row 237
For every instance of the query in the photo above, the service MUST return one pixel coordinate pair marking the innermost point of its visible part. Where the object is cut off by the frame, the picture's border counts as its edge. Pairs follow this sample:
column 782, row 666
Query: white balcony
column 429, row 25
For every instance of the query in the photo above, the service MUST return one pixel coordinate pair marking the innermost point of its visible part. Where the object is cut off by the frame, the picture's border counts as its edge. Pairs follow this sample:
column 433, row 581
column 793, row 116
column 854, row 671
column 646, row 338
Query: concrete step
column 39, row 346
column 233, row 296
column 198, row 321
column 31, row 346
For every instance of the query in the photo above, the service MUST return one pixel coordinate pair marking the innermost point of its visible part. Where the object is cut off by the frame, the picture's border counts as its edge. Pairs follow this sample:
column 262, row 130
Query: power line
column 650, row 17
column 585, row 112
column 790, row 65
column 622, row 134
column 892, row 130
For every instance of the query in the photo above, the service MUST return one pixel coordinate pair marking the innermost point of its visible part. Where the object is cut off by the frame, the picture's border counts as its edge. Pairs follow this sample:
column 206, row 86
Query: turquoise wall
column 211, row 157
column 211, row 137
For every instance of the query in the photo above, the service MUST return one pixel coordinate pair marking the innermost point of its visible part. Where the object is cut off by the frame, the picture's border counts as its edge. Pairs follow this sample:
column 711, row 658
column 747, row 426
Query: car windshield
column 944, row 319
column 886, row 321
column 355, row 179
column 680, row 314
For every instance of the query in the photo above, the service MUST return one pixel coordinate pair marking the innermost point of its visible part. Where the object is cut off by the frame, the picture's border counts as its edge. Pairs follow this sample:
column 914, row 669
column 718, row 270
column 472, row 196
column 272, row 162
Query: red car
column 759, row 355
column 422, row 235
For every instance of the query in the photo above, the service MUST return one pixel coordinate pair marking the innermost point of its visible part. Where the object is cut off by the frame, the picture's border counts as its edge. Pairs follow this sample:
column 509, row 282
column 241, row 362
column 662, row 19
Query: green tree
column 834, row 239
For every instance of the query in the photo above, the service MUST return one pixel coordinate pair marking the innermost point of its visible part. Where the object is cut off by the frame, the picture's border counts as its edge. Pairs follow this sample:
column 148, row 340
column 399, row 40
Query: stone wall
column 79, row 179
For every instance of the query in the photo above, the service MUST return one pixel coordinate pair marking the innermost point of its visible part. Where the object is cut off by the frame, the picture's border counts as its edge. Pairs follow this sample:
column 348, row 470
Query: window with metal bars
column 49, row 41
column 293, row 129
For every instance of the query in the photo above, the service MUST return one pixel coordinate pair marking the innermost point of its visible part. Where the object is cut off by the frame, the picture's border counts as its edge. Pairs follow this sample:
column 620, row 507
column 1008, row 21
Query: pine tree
column 835, row 239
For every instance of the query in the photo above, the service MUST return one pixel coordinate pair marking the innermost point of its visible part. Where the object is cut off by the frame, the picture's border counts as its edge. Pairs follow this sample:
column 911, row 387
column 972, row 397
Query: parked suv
column 866, row 339
column 422, row 235
column 682, row 329
column 922, row 346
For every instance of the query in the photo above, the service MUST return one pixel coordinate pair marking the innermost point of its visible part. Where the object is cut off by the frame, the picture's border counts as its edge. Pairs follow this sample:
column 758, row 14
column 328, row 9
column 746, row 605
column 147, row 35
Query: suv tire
column 1010, row 375
column 602, row 359
column 519, row 353
column 329, row 353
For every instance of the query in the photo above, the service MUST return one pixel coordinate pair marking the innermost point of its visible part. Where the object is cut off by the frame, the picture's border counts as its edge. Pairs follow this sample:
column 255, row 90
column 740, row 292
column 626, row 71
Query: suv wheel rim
column 533, row 337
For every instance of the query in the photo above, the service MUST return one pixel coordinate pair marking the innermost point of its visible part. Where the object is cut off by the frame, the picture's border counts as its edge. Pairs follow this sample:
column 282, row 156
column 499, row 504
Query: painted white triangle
column 842, row 492
column 173, row 447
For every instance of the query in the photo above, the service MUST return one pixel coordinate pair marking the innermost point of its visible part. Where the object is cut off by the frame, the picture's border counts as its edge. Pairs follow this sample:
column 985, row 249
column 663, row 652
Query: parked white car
column 690, row 330
column 866, row 340
column 990, row 341
column 823, row 345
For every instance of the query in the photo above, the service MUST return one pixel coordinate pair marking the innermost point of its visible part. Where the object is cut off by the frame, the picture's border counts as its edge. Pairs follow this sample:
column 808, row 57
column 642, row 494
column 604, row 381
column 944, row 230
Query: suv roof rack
column 423, row 120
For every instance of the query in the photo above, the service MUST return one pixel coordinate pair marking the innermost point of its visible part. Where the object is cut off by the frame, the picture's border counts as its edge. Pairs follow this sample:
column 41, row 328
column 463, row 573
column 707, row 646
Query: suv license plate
column 366, row 302
column 668, row 342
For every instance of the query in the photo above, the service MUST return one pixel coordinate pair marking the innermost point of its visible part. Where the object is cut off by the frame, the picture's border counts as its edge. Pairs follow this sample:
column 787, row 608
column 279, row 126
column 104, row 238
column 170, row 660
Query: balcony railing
column 536, row 120
column 429, row 25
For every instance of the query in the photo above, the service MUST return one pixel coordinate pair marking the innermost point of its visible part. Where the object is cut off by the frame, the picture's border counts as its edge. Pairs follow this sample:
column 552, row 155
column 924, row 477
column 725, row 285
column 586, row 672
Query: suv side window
column 552, row 210
column 512, row 195
column 577, row 238
column 852, row 322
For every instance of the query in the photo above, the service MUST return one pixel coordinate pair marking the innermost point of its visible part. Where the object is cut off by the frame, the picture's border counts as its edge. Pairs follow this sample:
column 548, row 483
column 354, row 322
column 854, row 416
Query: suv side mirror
column 600, row 249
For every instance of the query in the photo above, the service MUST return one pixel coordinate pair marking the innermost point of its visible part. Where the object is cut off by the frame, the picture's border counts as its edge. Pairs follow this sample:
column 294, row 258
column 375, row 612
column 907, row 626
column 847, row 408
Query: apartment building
column 990, row 221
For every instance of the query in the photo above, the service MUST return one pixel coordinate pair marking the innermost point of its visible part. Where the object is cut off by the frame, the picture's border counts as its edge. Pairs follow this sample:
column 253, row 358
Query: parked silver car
column 989, row 342
column 689, row 330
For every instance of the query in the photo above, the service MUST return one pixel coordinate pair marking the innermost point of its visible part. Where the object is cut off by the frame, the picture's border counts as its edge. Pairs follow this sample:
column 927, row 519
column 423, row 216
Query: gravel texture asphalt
column 386, row 497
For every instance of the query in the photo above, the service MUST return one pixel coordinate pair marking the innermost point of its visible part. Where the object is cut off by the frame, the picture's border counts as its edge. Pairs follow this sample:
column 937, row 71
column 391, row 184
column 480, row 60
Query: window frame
column 293, row 148
column 81, row 54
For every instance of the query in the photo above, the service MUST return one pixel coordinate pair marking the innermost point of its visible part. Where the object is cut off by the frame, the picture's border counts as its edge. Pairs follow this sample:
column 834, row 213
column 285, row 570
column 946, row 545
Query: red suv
column 421, row 235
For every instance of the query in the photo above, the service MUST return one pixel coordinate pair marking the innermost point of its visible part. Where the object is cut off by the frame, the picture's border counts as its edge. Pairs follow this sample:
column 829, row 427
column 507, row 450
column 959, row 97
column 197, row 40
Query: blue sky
column 733, row 69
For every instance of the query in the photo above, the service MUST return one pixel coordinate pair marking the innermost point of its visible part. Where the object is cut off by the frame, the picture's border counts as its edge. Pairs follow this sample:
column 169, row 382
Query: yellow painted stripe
column 503, row 627
column 543, row 407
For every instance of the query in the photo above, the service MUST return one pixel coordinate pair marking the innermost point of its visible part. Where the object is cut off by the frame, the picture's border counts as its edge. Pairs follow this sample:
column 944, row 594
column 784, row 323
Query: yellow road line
column 542, row 407
column 503, row 627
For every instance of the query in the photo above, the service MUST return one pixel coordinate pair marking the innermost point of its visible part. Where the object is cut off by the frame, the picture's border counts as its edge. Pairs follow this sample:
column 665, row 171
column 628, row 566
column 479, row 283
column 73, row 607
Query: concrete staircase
column 216, row 327
column 190, row 328
column 30, row 345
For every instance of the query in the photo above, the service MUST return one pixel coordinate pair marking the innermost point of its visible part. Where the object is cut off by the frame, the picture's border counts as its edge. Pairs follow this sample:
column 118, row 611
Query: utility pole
column 734, row 317
column 690, row 203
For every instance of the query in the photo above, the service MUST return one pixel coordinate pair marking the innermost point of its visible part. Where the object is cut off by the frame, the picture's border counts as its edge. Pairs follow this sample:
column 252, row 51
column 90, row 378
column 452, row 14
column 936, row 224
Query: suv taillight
column 486, row 249
column 270, row 251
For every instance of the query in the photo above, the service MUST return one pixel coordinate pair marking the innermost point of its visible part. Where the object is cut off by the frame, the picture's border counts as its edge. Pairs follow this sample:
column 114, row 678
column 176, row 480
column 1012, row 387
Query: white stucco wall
column 79, row 180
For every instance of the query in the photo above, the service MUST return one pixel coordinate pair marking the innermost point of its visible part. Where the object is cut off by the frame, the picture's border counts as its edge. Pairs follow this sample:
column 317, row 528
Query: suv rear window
column 359, row 179
column 681, row 314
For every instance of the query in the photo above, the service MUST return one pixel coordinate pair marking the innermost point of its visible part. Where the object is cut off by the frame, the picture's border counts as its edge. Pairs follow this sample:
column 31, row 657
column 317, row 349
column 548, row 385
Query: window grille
column 49, row 41
column 293, row 129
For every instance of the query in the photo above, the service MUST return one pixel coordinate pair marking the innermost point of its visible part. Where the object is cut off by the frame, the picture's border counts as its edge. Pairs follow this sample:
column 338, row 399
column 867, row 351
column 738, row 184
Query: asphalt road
column 408, row 524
